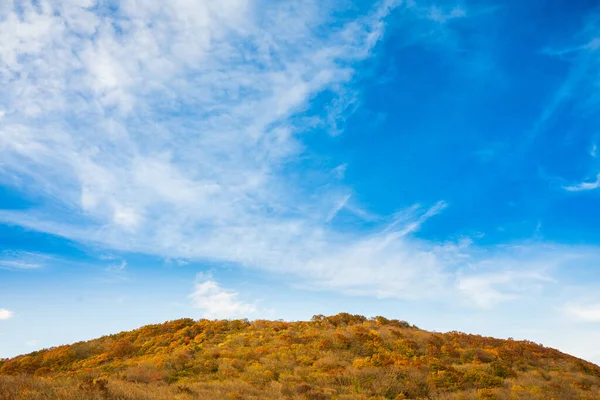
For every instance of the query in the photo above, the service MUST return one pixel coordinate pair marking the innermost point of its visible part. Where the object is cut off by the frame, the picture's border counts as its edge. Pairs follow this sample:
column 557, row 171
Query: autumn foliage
column 338, row 357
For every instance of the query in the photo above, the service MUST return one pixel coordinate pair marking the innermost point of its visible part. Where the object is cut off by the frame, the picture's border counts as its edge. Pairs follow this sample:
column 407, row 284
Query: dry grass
column 340, row 357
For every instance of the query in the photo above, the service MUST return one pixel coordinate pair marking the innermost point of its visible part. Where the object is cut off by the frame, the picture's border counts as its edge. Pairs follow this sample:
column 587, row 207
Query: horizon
column 429, row 161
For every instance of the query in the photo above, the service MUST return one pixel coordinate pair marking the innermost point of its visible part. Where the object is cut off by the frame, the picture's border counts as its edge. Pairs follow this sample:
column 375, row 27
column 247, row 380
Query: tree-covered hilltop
column 338, row 357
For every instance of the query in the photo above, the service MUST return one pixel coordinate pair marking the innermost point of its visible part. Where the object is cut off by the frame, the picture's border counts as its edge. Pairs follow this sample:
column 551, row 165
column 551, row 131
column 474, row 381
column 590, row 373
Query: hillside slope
column 339, row 357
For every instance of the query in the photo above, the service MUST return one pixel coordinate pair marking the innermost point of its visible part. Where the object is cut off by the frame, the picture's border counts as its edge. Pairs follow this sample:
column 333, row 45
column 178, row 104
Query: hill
column 338, row 357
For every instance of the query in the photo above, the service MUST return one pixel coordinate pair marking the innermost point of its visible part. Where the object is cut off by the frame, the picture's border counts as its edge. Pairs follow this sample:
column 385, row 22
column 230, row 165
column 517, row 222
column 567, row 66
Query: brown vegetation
column 339, row 357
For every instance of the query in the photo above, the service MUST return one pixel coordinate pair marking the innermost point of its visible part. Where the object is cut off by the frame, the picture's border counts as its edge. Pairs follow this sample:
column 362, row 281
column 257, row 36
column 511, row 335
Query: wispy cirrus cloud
column 175, row 140
column 116, row 272
column 490, row 289
column 176, row 129
column 585, row 313
column 579, row 85
column 23, row 260
column 578, row 90
column 584, row 185
column 236, row 82
column 441, row 16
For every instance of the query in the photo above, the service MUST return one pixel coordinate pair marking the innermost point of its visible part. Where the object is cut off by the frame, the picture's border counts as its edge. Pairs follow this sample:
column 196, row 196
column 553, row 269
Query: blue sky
column 433, row 161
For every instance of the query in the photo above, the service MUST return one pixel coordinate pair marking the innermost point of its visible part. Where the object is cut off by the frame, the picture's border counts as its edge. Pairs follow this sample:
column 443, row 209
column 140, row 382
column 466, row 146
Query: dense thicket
column 338, row 357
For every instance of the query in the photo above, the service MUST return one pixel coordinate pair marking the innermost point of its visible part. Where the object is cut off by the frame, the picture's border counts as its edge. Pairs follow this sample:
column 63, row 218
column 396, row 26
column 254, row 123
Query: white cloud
column 585, row 313
column 175, row 129
column 340, row 170
column 584, row 186
column 167, row 130
column 580, row 84
column 116, row 272
column 438, row 15
column 177, row 261
column 216, row 302
column 117, row 267
column 487, row 290
column 338, row 207
column 493, row 276
column 236, row 78
column 23, row 260
column 32, row 343
column 5, row 314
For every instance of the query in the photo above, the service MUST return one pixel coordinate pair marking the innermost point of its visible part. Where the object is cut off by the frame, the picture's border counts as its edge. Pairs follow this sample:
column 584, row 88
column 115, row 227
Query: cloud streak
column 236, row 83
column 177, row 130
column 23, row 260
column 488, row 290
column 584, row 186
column 585, row 313
column 176, row 140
